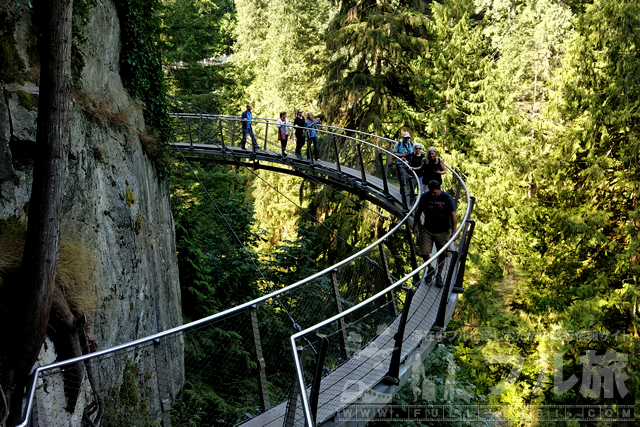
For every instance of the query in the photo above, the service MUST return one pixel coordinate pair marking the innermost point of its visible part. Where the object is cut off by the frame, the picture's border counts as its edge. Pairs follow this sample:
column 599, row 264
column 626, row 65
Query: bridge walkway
column 345, row 178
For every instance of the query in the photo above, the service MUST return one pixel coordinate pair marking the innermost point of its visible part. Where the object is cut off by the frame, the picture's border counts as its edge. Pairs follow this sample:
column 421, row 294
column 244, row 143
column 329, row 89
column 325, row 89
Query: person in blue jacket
column 312, row 124
column 402, row 149
column 247, row 128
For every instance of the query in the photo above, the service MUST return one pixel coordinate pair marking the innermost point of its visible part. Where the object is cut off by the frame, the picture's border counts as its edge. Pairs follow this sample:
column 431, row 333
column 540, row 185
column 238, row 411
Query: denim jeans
column 249, row 131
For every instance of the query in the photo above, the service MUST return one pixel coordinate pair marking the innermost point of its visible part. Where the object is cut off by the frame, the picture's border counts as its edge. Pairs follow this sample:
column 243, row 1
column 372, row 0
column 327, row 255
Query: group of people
column 305, row 128
column 438, row 207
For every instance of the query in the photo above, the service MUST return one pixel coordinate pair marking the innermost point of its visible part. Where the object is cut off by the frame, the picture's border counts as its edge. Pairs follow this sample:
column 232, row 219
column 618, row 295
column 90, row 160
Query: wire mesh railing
column 235, row 365
column 383, row 340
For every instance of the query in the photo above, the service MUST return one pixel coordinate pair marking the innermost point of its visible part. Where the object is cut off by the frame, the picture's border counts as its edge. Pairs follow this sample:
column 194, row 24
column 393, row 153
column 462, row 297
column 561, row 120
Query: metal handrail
column 270, row 121
column 232, row 310
column 298, row 365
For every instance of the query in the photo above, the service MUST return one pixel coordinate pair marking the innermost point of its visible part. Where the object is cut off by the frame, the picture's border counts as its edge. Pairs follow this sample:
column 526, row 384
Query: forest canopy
column 537, row 102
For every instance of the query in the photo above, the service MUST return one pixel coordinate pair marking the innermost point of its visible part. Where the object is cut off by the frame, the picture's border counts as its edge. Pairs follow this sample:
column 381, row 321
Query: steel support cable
column 288, row 199
column 295, row 324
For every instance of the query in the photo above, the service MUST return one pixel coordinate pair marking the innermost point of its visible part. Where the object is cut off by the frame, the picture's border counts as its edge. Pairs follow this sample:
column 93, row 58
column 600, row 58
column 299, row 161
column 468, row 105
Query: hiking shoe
column 439, row 283
column 430, row 275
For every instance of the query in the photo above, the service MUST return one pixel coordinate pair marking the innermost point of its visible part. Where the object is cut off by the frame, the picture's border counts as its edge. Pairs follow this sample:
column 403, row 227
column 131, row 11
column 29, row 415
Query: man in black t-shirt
column 440, row 223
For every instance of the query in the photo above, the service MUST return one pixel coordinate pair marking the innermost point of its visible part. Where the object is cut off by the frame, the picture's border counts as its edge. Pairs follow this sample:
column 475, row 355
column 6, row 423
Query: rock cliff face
column 115, row 204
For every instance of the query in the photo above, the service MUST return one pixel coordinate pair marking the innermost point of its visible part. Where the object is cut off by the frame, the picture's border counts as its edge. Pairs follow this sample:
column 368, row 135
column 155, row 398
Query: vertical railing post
column 341, row 322
column 457, row 195
column 162, row 375
column 190, row 137
column 262, row 374
column 412, row 250
column 221, row 132
column 363, row 174
column 383, row 170
column 233, row 133
column 389, row 159
column 317, row 378
column 290, row 417
column 335, row 148
column 266, row 134
column 403, row 195
column 393, row 375
column 199, row 129
column 442, row 309
column 393, row 310
column 464, row 250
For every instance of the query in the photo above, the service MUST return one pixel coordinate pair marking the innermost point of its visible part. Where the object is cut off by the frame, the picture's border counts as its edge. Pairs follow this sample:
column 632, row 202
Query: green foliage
column 81, row 15
column 12, row 64
column 140, row 65
column 280, row 47
column 214, row 396
column 448, row 76
column 369, row 78
column 207, row 249
column 535, row 101
column 27, row 100
column 446, row 383
column 123, row 402
column 197, row 40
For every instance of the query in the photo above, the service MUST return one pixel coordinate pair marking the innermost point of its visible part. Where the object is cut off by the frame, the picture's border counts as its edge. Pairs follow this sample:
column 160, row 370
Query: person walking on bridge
column 433, row 168
column 440, row 222
column 300, row 126
column 247, row 128
column 284, row 129
column 415, row 161
column 402, row 149
column 312, row 124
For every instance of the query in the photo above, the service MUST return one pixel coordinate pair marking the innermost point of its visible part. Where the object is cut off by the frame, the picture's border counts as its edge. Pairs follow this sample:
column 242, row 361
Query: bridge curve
column 342, row 340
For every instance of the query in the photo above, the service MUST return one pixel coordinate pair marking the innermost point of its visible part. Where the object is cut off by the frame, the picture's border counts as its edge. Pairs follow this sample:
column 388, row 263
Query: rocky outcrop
column 114, row 204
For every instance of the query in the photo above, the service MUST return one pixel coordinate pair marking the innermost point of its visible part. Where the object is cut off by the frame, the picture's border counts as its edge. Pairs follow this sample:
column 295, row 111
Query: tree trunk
column 33, row 302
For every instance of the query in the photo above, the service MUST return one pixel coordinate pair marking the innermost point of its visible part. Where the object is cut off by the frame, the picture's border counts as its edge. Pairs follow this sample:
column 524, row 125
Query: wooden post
column 222, row 133
column 403, row 194
column 233, row 132
column 266, row 134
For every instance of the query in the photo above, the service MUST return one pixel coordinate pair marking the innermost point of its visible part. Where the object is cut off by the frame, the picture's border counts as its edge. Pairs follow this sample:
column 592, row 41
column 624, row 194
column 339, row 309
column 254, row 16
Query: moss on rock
column 28, row 100
column 12, row 65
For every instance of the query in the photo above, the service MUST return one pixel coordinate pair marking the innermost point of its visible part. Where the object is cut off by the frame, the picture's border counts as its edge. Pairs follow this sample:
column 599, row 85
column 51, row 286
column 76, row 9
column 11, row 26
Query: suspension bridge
column 353, row 333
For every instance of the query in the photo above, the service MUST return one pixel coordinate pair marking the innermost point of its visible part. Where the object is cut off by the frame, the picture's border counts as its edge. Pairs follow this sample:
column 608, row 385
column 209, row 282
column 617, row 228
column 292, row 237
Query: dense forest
column 537, row 102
